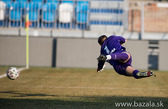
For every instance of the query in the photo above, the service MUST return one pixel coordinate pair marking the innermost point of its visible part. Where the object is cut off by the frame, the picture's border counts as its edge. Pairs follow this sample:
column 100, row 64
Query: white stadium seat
column 2, row 10
column 65, row 12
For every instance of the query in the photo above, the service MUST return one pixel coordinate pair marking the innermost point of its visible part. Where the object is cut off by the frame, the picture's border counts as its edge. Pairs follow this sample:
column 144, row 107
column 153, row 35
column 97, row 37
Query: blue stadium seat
column 33, row 11
column 82, row 11
column 33, row 8
column 82, row 14
column 23, row 12
column 49, row 13
column 15, row 13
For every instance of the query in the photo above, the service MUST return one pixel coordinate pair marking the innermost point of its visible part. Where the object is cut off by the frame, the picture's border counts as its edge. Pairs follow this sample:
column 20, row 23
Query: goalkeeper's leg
column 125, row 59
column 137, row 74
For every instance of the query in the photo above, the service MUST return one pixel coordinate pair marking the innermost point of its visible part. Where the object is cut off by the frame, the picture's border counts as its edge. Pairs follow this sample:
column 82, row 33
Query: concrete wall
column 83, row 53
column 77, row 53
column 71, row 52
column 139, row 52
column 13, row 51
column 163, row 55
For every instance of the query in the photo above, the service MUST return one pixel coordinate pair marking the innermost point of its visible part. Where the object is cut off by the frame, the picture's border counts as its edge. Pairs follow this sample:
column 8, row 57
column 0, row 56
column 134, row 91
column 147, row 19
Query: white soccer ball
column 12, row 73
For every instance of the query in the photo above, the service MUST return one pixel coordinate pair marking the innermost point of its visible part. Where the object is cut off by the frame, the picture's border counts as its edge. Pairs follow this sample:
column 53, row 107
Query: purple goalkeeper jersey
column 113, row 45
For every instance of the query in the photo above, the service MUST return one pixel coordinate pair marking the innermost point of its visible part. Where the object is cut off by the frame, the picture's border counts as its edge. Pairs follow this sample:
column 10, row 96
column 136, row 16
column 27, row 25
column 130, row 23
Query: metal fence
column 90, row 15
column 148, row 17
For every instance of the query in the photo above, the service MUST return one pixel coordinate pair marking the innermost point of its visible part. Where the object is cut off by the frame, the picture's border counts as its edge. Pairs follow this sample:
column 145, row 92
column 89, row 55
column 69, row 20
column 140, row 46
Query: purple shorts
column 120, row 68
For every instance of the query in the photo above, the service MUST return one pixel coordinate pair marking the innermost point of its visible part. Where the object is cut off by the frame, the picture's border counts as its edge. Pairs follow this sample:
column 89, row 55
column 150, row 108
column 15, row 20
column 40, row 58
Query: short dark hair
column 101, row 39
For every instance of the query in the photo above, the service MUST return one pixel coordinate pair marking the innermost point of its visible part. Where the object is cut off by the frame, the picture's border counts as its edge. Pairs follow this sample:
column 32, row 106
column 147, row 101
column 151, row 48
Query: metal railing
column 64, row 14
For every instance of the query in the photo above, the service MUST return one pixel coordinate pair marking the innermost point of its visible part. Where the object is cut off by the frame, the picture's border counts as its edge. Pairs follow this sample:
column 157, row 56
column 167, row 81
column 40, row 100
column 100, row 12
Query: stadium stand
column 94, row 16
column 80, row 14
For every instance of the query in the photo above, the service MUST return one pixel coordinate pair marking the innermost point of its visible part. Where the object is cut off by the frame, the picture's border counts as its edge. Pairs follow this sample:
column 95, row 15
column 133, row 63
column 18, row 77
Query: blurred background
column 63, row 33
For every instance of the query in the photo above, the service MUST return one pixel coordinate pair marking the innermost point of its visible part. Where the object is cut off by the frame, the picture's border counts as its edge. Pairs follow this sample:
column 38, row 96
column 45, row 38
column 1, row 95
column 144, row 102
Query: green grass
column 68, row 88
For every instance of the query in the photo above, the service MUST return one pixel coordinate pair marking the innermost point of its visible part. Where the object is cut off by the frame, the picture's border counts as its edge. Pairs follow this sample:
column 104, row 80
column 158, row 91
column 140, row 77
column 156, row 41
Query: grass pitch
column 67, row 88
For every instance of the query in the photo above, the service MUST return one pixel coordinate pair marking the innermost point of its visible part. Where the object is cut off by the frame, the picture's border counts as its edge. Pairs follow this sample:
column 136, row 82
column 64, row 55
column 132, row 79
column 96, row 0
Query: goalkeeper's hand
column 102, row 58
column 100, row 70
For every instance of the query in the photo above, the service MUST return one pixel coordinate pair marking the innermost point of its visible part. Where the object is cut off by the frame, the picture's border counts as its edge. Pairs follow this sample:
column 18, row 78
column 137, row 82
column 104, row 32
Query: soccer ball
column 12, row 73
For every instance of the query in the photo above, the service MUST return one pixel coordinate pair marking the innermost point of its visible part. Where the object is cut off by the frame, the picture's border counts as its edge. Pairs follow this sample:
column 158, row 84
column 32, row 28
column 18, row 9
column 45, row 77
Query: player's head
column 101, row 39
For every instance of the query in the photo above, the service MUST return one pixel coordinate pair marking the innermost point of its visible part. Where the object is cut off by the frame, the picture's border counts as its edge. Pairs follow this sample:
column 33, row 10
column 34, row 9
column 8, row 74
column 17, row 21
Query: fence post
column 142, row 21
column 126, row 16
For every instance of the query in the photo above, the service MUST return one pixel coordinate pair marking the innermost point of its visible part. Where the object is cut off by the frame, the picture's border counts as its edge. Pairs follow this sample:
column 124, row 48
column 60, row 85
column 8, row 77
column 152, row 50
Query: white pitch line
column 21, row 69
column 4, row 75
column 108, row 88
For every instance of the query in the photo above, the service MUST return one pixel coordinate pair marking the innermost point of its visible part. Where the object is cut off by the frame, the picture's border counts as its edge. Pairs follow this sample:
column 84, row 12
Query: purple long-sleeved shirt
column 111, row 45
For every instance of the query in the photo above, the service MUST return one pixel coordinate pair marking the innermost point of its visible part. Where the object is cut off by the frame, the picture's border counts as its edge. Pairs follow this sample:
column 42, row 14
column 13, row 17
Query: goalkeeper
column 115, row 54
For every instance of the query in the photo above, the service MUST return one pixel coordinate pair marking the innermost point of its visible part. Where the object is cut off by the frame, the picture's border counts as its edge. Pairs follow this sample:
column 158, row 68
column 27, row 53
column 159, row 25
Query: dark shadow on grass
column 17, row 94
column 45, row 101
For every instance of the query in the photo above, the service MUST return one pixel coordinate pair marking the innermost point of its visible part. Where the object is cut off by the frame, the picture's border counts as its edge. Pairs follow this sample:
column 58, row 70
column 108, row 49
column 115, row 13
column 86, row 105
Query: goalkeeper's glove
column 102, row 58
column 100, row 70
